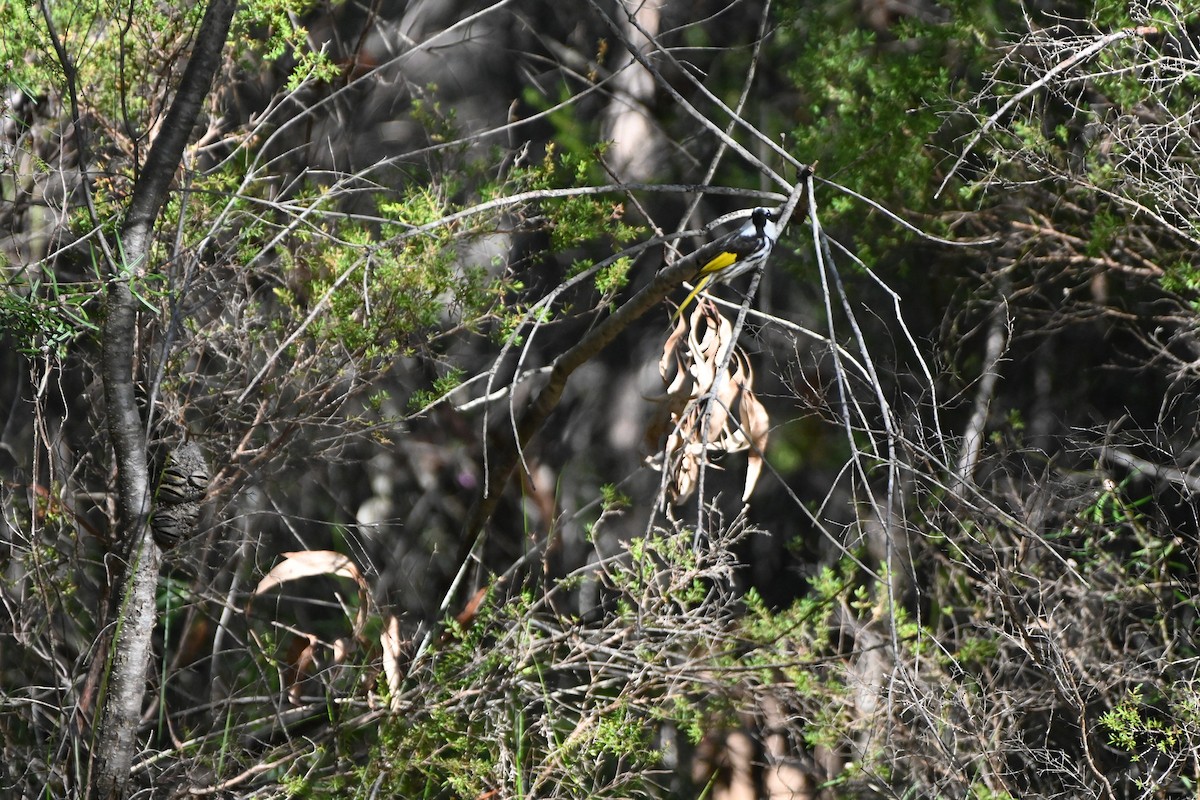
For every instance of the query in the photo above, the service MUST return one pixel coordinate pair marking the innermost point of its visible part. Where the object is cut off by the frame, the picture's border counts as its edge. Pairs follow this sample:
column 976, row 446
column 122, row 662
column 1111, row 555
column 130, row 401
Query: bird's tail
column 687, row 300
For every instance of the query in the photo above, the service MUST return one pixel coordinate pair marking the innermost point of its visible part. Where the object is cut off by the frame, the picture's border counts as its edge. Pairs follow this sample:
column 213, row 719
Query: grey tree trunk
column 114, row 737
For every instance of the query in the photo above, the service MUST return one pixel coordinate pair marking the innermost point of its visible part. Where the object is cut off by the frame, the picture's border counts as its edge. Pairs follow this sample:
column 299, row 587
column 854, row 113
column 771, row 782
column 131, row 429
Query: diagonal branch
column 598, row 338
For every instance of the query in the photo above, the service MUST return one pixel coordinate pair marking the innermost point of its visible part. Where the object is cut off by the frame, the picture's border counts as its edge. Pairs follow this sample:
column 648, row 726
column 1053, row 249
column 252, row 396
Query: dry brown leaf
column 298, row 665
column 669, row 355
column 708, row 337
column 467, row 615
column 689, row 370
column 686, row 475
column 721, row 435
column 676, row 387
column 757, row 425
column 310, row 563
column 392, row 648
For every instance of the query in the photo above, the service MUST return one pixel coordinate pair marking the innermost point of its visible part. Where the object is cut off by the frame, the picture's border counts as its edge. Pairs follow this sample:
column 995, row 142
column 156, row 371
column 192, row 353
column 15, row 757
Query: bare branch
column 1064, row 65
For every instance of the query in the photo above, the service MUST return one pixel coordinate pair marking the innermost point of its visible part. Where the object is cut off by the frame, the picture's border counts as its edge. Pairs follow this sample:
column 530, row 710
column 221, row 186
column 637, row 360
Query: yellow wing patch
column 719, row 262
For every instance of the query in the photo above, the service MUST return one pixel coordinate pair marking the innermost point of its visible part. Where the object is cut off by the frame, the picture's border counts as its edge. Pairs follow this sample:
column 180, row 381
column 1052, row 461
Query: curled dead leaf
column 306, row 564
column 692, row 421
column 298, row 662
column 311, row 563
column 756, row 423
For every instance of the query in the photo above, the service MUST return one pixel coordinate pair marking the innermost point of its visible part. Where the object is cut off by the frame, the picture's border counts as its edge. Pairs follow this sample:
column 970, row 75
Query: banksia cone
column 182, row 484
column 185, row 476
column 172, row 524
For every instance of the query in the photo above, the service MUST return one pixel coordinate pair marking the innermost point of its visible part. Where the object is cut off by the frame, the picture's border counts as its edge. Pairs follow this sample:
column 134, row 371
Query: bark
column 125, row 685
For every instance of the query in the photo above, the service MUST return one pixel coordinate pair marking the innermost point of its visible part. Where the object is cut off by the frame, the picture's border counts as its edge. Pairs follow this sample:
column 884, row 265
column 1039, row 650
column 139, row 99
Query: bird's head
column 764, row 221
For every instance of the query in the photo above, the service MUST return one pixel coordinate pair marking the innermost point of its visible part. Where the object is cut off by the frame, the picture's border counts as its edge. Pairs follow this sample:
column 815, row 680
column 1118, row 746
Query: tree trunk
column 114, row 737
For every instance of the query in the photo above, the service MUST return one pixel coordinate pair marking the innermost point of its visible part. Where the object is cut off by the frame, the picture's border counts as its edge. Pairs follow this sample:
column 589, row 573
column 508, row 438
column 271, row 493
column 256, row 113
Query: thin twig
column 991, row 122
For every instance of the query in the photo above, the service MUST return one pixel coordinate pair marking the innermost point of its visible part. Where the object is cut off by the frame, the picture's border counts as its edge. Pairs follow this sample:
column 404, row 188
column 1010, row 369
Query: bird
column 738, row 252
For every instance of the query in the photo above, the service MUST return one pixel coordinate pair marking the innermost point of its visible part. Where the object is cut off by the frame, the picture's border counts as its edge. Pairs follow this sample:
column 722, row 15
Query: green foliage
column 1111, row 14
column 1112, row 535
column 99, row 40
column 266, row 29
column 803, row 620
column 438, row 120
column 505, row 701
column 370, row 291
column 47, row 319
column 405, row 284
column 172, row 596
column 452, row 746
column 612, row 498
column 571, row 135
column 1106, row 226
column 870, row 109
column 1181, row 277
column 981, row 792
column 790, row 647
column 442, row 386
column 25, row 33
column 1164, row 732
column 647, row 555
column 614, row 277
column 575, row 219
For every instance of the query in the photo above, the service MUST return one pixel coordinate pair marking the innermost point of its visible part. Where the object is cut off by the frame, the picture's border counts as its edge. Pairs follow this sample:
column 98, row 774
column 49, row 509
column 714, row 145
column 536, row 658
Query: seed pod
column 171, row 524
column 185, row 477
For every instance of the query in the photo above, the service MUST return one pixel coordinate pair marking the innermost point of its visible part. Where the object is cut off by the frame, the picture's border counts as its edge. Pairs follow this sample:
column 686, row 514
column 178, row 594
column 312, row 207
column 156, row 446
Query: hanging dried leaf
column 757, row 425
column 730, row 421
column 670, row 364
